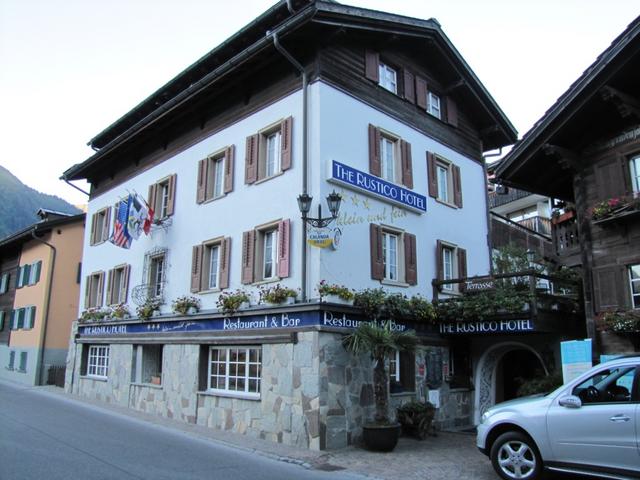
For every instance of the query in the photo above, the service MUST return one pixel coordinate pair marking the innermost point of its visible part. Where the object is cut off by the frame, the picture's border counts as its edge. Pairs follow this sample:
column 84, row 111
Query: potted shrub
column 230, row 302
column 151, row 307
column 380, row 341
column 278, row 294
column 186, row 304
column 416, row 418
column 120, row 311
column 333, row 293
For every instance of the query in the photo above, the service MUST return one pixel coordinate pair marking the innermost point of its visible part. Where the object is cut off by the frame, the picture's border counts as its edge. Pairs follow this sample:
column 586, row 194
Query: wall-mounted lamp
column 333, row 202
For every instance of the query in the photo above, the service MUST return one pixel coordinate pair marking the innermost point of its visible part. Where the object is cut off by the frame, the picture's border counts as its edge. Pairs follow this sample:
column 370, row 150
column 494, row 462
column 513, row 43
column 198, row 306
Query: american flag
column 121, row 237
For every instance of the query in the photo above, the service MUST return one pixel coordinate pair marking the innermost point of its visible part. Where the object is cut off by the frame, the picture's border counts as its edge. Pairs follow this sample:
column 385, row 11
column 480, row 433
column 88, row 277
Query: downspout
column 305, row 160
column 43, row 330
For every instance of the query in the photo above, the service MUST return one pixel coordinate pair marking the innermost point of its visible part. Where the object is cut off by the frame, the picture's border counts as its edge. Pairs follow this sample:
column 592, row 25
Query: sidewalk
column 449, row 456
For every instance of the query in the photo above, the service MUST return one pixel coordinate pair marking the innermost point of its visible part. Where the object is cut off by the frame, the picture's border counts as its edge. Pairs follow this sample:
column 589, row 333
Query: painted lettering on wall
column 106, row 330
column 497, row 326
column 342, row 321
column 275, row 321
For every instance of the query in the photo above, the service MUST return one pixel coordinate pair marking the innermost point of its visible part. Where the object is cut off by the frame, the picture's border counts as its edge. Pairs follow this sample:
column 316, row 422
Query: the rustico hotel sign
column 377, row 187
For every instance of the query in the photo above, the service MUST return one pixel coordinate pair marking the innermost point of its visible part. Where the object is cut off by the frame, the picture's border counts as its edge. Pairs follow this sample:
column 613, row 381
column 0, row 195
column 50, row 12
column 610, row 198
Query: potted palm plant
column 380, row 341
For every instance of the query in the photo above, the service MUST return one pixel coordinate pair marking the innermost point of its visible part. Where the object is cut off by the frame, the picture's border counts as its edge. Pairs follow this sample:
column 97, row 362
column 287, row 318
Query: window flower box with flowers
column 120, row 312
column 186, row 305
column 615, row 209
column 95, row 314
column 623, row 322
column 332, row 293
column 277, row 295
column 230, row 302
column 150, row 308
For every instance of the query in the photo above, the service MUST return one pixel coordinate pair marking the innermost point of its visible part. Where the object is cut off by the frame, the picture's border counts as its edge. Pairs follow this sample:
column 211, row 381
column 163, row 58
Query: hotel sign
column 495, row 326
column 376, row 186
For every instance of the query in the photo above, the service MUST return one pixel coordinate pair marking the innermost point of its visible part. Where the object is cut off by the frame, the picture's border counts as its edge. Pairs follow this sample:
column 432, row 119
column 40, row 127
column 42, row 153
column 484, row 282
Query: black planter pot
column 381, row 438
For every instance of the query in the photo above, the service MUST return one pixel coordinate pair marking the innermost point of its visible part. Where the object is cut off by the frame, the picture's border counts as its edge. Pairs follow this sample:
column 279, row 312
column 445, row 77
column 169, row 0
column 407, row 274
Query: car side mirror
column 570, row 401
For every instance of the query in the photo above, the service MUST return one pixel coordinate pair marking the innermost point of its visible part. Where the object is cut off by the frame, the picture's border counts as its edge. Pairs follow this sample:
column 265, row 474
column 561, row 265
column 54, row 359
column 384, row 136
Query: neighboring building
column 39, row 287
column 395, row 121
column 586, row 150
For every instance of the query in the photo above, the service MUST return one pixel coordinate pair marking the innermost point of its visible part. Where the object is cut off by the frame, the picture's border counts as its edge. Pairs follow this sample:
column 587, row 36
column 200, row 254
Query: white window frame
column 118, row 280
column 4, row 283
column 389, row 157
column 634, row 270
column 101, row 225
column 96, row 294
column 634, row 170
column 98, row 361
column 448, row 250
column 270, row 152
column 214, row 183
column 388, row 77
column 213, row 264
column 443, row 174
column 269, row 250
column 434, row 105
column 391, row 255
column 214, row 370
column 394, row 366
column 156, row 276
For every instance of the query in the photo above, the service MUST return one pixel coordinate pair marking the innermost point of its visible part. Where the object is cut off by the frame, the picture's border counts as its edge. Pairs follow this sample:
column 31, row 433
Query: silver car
column 589, row 426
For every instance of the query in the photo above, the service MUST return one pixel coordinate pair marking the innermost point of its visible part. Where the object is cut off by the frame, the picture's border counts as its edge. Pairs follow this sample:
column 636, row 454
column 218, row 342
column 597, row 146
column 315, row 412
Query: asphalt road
column 43, row 436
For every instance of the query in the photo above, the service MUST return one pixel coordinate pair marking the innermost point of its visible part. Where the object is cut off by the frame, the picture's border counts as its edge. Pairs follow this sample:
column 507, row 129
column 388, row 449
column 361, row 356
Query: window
column 12, row 360
column 156, row 275
column 4, row 282
column 215, row 175
column 387, row 78
column 93, row 290
column 402, row 372
column 634, row 166
column 97, row 361
column 210, row 265
column 390, row 157
column 634, row 282
column 268, row 152
column 23, row 361
column 433, row 105
column 451, row 262
column 445, row 184
column 162, row 197
column 607, row 386
column 23, row 318
column 393, row 255
column 265, row 252
column 394, row 367
column 100, row 226
column 118, row 284
column 235, row 370
column 146, row 364
column 29, row 274
column 460, row 371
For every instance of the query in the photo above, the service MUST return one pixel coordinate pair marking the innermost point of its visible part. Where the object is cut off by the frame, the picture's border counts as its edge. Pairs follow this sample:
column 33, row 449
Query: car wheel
column 515, row 456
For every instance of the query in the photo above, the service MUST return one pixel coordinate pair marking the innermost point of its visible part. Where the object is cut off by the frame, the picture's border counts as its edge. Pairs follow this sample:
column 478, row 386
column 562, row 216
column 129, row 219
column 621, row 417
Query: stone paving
column 447, row 456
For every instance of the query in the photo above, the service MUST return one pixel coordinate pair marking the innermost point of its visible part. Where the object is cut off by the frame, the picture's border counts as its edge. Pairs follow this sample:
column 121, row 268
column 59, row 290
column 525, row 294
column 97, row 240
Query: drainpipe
column 305, row 159
column 43, row 330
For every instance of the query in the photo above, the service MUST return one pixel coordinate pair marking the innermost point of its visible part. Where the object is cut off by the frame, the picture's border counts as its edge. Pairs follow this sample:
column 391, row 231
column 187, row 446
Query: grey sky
column 69, row 68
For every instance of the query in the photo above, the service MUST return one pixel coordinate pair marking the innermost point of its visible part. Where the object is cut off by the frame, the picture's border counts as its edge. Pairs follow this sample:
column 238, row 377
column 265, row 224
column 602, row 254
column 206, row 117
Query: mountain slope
column 19, row 204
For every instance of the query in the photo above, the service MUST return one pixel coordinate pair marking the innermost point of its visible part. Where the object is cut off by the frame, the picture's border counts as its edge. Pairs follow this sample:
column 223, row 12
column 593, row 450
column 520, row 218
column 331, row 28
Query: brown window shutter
column 171, row 197
column 377, row 260
column 248, row 256
column 407, row 164
column 286, row 143
column 251, row 159
column 284, row 243
column 87, row 290
column 610, row 285
column 100, row 289
column 439, row 265
column 421, row 92
column 372, row 64
column 375, row 167
column 110, row 288
column 225, row 256
column 433, row 176
column 196, row 268
column 410, row 259
column 409, row 86
column 201, row 191
column 408, row 371
column 451, row 111
column 107, row 224
column 462, row 263
column 457, row 186
column 229, row 165
column 152, row 199
column 125, row 283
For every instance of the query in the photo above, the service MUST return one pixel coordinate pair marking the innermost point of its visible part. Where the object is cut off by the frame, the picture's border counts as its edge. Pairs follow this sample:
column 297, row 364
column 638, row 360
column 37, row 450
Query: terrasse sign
column 372, row 185
column 496, row 326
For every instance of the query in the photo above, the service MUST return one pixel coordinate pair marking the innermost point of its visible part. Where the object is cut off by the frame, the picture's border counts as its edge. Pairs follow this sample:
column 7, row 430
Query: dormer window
column 388, row 78
column 433, row 105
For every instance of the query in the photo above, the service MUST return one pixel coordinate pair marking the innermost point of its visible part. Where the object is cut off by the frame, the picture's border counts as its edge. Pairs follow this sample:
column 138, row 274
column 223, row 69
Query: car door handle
column 620, row 418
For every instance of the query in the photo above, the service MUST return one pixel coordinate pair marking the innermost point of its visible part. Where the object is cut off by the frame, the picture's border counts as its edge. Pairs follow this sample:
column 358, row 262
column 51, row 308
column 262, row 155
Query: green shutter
column 2, row 315
column 27, row 275
column 38, row 267
column 20, row 314
column 14, row 320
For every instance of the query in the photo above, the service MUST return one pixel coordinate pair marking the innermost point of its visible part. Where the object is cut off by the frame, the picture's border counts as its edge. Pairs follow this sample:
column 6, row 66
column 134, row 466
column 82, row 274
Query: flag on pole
column 121, row 237
column 140, row 217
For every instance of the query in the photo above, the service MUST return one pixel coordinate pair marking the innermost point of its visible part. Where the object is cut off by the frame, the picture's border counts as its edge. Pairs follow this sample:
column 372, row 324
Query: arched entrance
column 497, row 371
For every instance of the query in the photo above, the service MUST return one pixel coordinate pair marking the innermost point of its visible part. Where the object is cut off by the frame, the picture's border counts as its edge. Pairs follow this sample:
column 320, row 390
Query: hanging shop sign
column 324, row 237
column 269, row 321
column 477, row 285
column 496, row 326
column 576, row 358
column 377, row 187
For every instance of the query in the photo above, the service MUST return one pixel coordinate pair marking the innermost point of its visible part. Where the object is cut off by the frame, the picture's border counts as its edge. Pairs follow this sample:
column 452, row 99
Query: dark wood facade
column 9, row 261
column 581, row 151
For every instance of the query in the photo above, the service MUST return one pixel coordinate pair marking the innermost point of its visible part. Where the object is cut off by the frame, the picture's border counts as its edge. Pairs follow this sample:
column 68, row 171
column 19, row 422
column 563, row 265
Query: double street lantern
column 333, row 202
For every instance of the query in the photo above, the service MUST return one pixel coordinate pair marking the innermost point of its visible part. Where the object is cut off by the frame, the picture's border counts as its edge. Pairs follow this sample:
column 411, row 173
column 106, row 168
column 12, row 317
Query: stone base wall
column 115, row 388
column 456, row 409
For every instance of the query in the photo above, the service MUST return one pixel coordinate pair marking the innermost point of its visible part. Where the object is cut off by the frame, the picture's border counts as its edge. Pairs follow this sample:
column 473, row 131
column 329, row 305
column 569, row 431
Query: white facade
column 338, row 128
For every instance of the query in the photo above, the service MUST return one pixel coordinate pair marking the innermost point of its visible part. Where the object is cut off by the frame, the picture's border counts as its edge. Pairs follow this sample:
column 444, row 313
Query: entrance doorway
column 498, row 370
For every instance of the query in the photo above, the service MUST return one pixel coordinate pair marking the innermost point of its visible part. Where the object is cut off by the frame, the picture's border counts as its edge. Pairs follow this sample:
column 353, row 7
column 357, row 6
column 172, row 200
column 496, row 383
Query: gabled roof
column 39, row 228
column 581, row 116
column 254, row 40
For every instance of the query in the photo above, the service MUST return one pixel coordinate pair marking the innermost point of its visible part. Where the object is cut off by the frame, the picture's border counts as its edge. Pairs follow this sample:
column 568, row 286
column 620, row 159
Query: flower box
column 336, row 299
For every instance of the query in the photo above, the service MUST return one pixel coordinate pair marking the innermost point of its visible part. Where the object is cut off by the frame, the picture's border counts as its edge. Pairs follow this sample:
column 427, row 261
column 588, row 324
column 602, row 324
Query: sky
column 70, row 68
